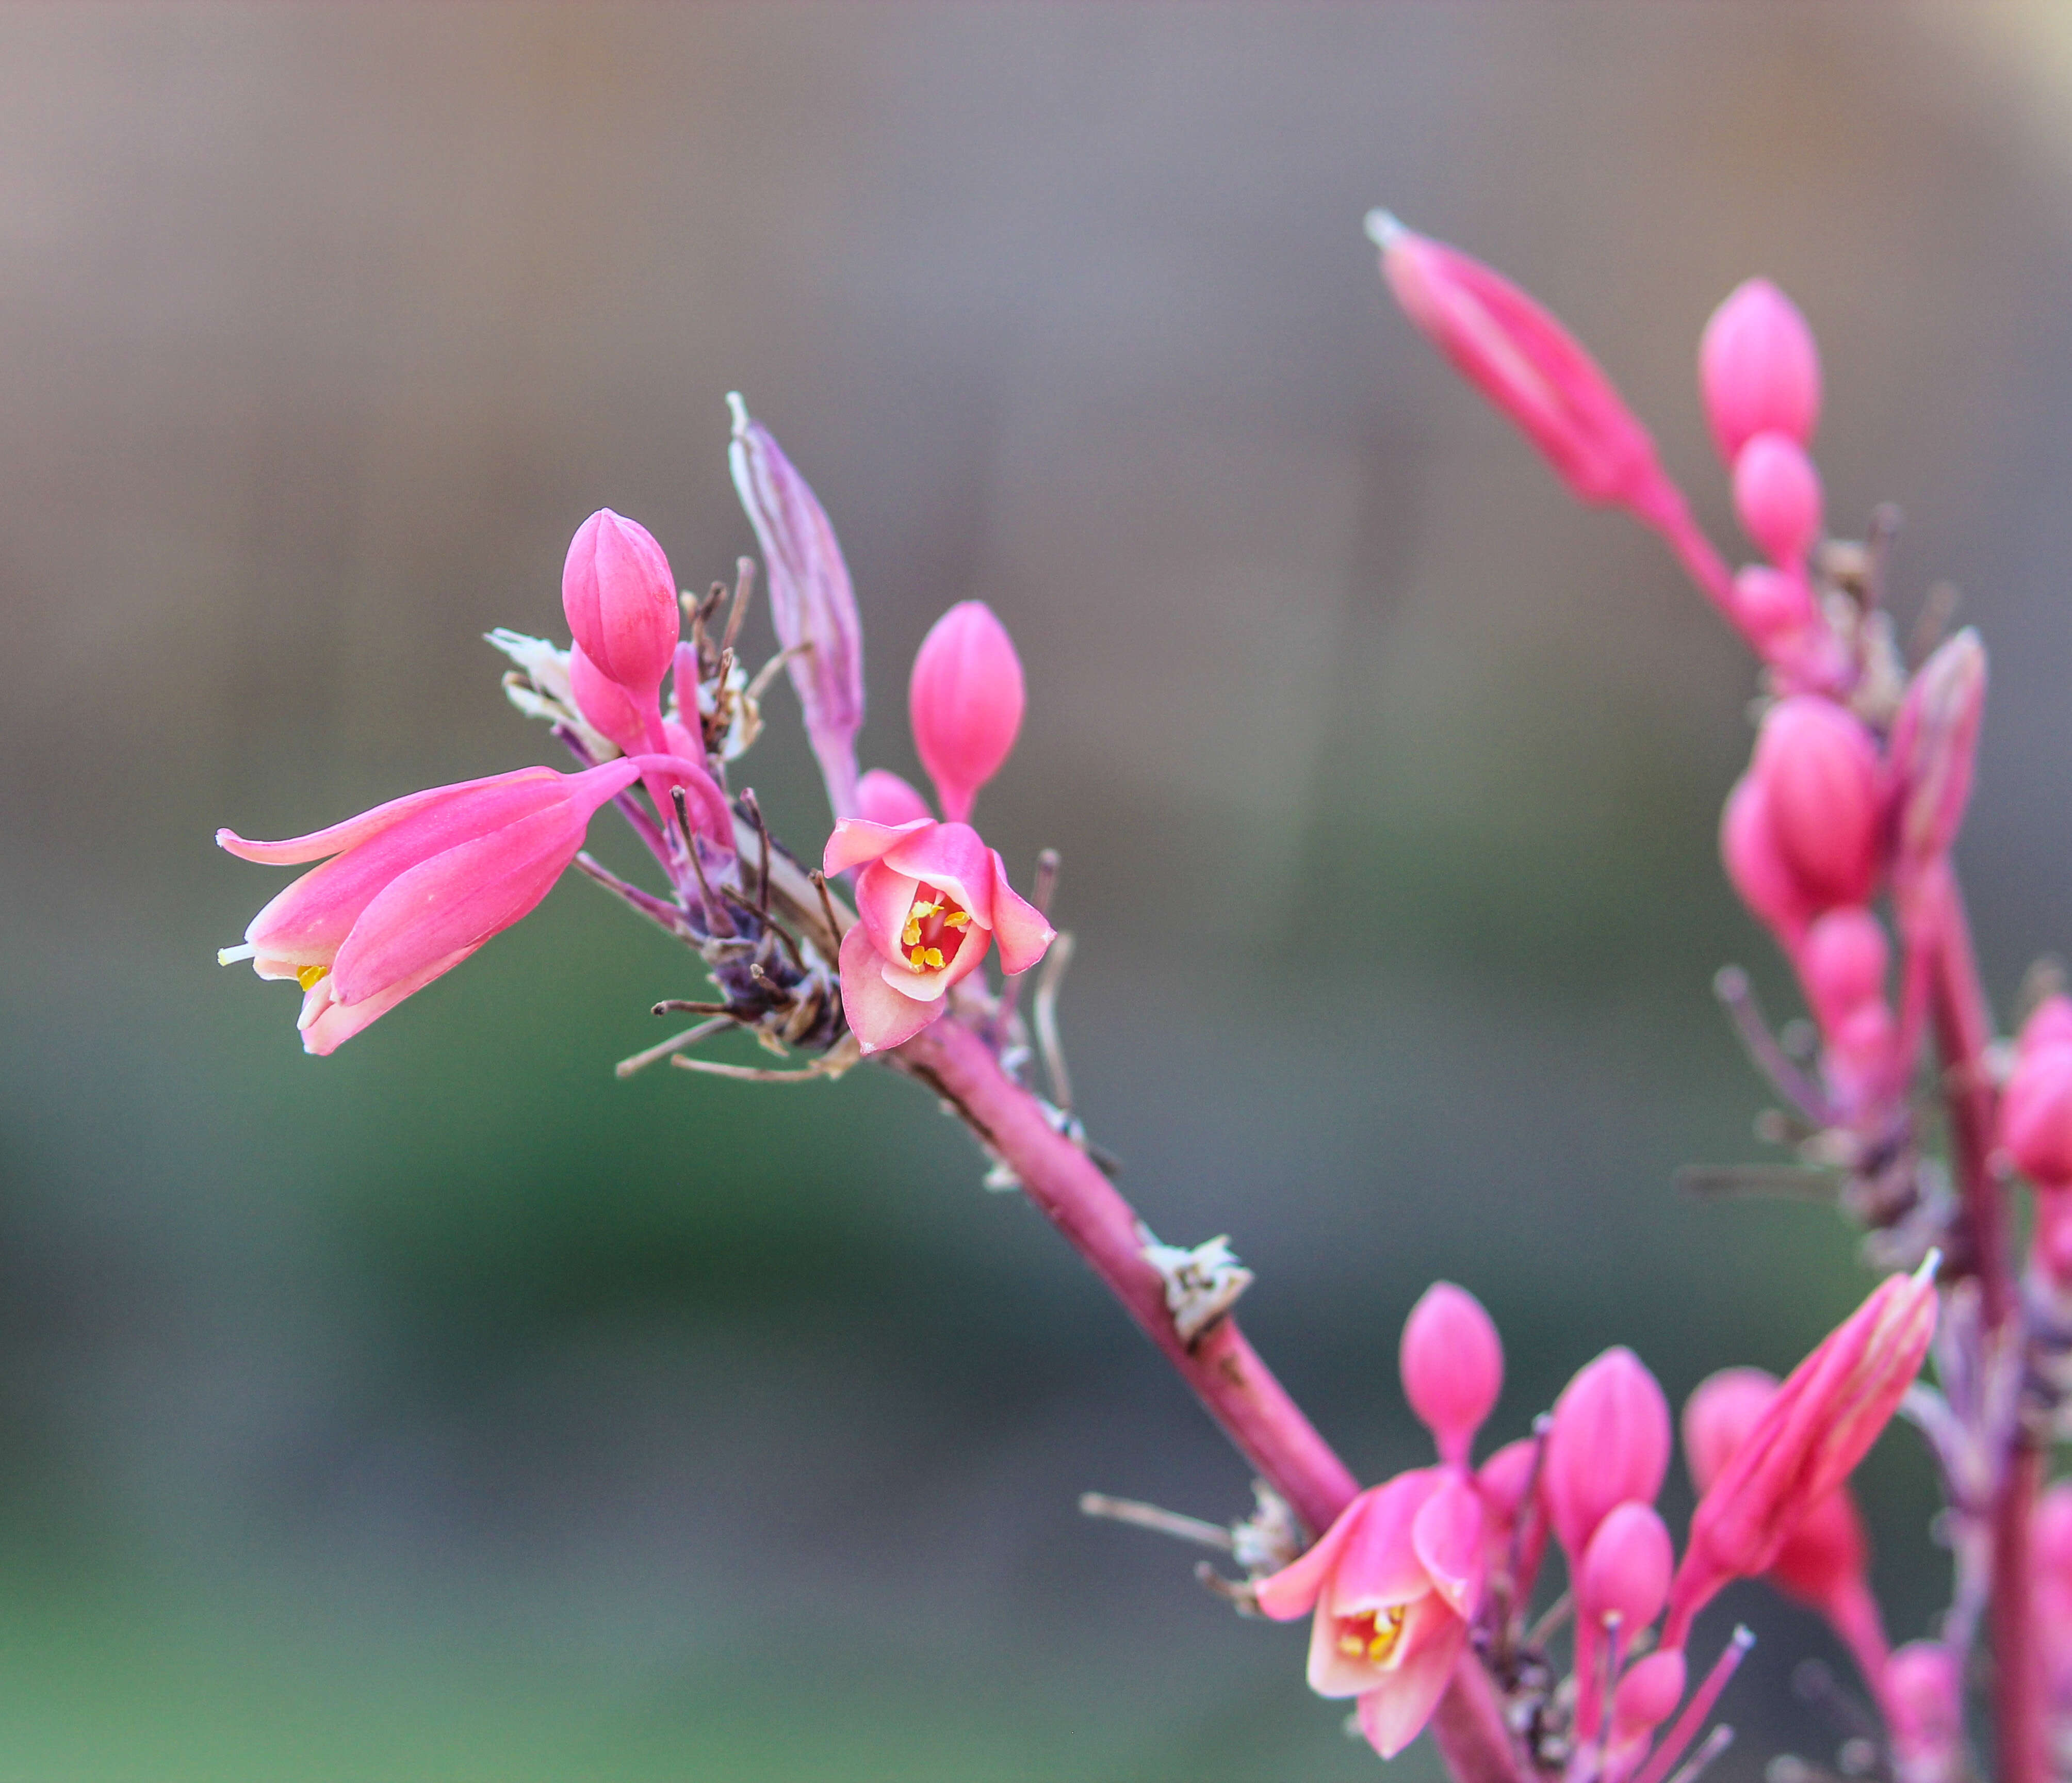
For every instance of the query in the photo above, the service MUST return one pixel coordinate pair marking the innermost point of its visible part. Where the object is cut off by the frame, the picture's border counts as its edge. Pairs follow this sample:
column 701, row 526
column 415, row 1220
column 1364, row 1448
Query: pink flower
column 1394, row 1584
column 1451, row 1360
column 2036, row 1109
column 620, row 599
column 1610, row 1443
column 415, row 885
column 930, row 899
column 1922, row 1694
column 1758, row 369
column 1824, row 1559
column 965, row 703
column 1645, row 1697
column 812, row 604
column 1805, row 1442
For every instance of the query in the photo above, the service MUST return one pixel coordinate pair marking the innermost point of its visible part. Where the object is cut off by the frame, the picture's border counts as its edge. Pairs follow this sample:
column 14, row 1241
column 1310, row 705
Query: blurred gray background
column 449, row 1410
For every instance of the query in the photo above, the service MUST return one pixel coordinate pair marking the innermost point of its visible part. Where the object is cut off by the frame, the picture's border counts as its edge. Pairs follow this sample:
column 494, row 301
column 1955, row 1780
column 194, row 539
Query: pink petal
column 1333, row 1674
column 336, row 1023
column 1024, row 935
column 1291, row 1591
column 878, row 1016
column 1380, row 1567
column 1394, row 1714
column 952, row 856
column 1447, row 1537
column 341, row 836
column 455, row 900
column 855, row 842
column 884, row 898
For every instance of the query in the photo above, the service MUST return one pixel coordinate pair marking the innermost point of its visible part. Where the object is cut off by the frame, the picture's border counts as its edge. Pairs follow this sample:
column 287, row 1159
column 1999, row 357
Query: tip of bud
column 1383, row 228
column 1930, row 1264
column 740, row 413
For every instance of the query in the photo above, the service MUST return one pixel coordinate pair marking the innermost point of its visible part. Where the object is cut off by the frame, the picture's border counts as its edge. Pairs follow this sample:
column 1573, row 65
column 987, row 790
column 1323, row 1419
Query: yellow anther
column 307, row 976
column 1373, row 1637
column 911, row 934
column 957, row 919
column 933, row 956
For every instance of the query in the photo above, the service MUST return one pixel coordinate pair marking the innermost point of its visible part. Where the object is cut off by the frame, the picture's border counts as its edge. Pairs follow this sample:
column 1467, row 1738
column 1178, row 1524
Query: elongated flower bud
column 1821, row 780
column 965, row 703
column 1622, row 1584
column 1452, row 1366
column 1807, row 1441
column 621, row 602
column 1758, row 369
column 812, row 604
column 1756, row 865
column 1934, row 742
column 1777, row 494
column 1610, row 1443
column 882, row 797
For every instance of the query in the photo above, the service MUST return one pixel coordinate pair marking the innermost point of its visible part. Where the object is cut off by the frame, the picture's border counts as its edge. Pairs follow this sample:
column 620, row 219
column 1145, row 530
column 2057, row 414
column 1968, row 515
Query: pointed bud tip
column 1383, row 228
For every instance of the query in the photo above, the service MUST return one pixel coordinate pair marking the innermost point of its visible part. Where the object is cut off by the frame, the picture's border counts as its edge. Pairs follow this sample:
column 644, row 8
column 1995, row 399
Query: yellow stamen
column 957, row 919
column 1372, row 1636
column 307, row 976
column 934, row 956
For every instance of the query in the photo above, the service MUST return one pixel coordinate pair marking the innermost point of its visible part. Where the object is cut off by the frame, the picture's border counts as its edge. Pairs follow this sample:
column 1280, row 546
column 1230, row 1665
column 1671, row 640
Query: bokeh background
column 449, row 1410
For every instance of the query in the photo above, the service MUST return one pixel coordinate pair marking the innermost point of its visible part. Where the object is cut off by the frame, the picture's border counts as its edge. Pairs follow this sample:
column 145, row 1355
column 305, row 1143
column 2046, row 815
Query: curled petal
column 1447, row 1535
column 877, row 1015
column 856, row 840
column 1024, row 934
column 328, row 1024
column 368, row 823
column 952, row 856
column 1381, row 1565
column 884, row 896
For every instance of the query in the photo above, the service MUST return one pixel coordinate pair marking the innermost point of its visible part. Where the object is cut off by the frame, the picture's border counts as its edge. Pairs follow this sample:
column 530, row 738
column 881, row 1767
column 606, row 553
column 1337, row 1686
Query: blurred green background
column 449, row 1410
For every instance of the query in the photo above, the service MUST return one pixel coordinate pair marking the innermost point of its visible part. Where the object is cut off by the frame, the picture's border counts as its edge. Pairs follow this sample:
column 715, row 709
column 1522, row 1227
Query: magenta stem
column 1224, row 1370
column 1963, row 1031
column 1698, row 1710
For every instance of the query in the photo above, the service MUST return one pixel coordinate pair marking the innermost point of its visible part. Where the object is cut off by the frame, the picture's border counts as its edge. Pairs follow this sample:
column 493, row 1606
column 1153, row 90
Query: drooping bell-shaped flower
column 1758, row 369
column 1609, row 1442
column 1807, row 1441
column 965, row 703
column 1824, row 1559
column 414, row 886
column 620, row 600
column 1451, row 1361
column 930, row 899
column 812, row 604
column 1393, row 1585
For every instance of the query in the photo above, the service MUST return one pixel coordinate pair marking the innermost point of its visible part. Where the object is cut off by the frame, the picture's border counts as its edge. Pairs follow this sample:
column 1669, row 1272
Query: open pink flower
column 415, row 885
column 1393, row 1585
column 930, row 899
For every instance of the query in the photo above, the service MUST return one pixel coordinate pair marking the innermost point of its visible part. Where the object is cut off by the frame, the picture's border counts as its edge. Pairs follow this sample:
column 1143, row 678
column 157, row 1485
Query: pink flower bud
column 1773, row 606
column 884, row 798
column 1934, row 740
column 1755, row 864
column 1645, row 1697
column 1842, row 964
column 1777, row 494
column 1821, row 780
column 1510, row 1510
column 2036, row 1115
column 1922, row 1694
column 812, row 605
column 2049, row 1024
column 621, row 602
column 606, row 705
column 1452, row 1367
column 965, row 703
column 1758, row 369
column 1806, row 1441
column 1621, row 1584
column 1610, row 1443
column 1625, row 1568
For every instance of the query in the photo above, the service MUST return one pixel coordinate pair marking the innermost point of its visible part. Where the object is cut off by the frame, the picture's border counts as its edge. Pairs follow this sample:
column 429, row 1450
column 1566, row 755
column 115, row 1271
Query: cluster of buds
column 1439, row 1559
column 409, row 890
